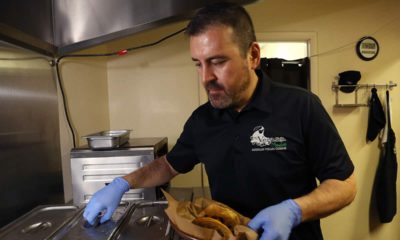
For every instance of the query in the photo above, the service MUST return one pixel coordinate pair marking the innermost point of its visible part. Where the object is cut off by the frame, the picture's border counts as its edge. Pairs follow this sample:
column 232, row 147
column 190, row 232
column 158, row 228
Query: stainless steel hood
column 28, row 24
column 57, row 27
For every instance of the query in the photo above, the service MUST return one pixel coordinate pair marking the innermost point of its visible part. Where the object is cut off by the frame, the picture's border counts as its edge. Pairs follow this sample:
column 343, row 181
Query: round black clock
column 367, row 48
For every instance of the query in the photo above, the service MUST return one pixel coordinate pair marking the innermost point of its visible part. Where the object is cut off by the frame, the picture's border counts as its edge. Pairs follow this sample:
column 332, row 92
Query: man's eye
column 197, row 64
column 218, row 61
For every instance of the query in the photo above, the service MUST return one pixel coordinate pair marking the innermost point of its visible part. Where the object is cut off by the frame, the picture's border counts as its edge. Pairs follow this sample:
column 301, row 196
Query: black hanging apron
column 386, row 175
column 376, row 117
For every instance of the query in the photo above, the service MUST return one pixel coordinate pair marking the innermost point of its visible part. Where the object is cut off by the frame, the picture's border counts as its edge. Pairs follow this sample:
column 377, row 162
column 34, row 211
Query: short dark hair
column 228, row 14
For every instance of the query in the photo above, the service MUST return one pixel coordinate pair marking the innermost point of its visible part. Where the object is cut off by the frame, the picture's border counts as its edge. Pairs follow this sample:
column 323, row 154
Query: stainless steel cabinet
column 93, row 169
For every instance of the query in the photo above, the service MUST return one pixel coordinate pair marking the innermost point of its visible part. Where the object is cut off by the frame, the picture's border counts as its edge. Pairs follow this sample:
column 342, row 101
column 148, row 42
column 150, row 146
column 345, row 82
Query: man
column 270, row 178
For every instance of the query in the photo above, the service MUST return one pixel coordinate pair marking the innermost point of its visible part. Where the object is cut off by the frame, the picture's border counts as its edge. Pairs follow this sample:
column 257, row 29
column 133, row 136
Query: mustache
column 213, row 85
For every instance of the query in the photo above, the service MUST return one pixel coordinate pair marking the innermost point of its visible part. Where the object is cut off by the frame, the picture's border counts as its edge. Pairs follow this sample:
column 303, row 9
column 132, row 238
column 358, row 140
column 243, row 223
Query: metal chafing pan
column 40, row 223
column 77, row 228
column 108, row 139
column 145, row 220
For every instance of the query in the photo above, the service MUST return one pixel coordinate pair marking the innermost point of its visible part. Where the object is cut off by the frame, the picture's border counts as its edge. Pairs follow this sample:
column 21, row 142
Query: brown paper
column 191, row 231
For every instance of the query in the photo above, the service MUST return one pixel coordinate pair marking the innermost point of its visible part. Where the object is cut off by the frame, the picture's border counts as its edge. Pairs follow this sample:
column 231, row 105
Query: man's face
column 224, row 72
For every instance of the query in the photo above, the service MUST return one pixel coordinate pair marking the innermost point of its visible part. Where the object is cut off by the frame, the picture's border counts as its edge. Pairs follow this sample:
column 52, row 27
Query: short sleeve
column 325, row 149
column 182, row 156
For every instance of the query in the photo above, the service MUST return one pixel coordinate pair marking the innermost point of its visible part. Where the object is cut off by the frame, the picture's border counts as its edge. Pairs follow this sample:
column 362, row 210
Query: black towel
column 376, row 120
column 386, row 176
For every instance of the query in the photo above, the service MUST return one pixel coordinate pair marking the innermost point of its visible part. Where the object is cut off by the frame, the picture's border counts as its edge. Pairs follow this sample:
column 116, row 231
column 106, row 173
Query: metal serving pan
column 77, row 228
column 39, row 223
column 146, row 220
column 107, row 139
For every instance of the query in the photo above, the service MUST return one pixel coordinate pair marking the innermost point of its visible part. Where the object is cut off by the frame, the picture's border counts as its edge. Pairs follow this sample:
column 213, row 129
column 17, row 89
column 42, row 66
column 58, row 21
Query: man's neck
column 249, row 92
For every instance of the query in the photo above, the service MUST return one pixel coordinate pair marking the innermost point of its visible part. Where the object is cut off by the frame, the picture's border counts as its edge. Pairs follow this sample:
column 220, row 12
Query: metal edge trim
column 19, row 38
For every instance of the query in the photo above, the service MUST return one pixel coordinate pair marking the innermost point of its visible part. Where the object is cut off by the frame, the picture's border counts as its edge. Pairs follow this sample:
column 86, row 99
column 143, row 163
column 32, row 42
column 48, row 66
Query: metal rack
column 336, row 87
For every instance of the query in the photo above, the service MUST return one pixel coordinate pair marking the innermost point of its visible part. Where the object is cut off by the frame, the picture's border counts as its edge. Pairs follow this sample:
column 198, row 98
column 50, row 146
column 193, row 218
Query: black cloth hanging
column 350, row 77
column 376, row 119
column 292, row 72
column 386, row 175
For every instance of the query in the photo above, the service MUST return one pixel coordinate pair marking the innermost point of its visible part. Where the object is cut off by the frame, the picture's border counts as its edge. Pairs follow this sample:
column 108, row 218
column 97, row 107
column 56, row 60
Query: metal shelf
column 336, row 88
column 350, row 105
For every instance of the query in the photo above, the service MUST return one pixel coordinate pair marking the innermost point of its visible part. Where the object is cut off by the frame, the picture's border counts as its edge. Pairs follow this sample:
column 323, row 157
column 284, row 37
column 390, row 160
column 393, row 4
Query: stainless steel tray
column 145, row 220
column 39, row 223
column 108, row 139
column 77, row 227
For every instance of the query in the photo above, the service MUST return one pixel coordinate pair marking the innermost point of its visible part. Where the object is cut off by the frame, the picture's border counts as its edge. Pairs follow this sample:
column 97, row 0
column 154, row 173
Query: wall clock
column 367, row 48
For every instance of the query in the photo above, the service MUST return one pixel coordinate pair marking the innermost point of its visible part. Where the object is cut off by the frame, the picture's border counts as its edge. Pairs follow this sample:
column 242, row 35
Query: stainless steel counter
column 137, row 220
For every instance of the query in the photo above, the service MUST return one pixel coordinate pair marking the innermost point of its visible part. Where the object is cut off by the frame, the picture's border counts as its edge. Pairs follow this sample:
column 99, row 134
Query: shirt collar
column 261, row 96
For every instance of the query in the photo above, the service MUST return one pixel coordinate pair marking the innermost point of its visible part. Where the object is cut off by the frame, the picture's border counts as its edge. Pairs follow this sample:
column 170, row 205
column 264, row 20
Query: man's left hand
column 277, row 221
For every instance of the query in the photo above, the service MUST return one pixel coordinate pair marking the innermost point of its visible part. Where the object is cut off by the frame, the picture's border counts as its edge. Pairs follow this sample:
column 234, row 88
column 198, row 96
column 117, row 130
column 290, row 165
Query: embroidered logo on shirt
column 263, row 143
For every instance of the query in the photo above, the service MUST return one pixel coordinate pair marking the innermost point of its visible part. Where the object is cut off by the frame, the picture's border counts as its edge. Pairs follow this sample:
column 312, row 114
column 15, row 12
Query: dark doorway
column 292, row 72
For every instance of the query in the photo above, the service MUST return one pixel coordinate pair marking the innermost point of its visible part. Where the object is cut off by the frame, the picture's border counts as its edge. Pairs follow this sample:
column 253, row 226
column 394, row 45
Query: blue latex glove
column 277, row 221
column 107, row 198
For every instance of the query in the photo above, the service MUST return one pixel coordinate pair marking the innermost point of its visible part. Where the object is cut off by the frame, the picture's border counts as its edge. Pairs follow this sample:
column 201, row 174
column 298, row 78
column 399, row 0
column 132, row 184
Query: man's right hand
column 107, row 198
column 277, row 221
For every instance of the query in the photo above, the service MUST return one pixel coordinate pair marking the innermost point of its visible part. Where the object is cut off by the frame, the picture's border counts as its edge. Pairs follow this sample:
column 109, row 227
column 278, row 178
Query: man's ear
column 254, row 55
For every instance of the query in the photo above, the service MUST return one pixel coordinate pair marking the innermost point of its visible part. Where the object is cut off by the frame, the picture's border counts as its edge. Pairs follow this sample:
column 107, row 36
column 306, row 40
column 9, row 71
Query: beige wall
column 153, row 91
column 338, row 24
column 86, row 90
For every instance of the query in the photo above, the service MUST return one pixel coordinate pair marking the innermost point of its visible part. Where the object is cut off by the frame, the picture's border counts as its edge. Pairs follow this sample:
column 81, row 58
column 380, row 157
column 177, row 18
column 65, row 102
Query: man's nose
column 207, row 74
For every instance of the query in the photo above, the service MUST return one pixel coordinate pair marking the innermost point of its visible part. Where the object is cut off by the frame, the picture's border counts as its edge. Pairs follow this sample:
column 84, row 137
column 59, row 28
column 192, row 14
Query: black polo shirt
column 274, row 149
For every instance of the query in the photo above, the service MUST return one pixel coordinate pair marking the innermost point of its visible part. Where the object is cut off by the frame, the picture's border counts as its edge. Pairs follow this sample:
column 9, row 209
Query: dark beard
column 228, row 100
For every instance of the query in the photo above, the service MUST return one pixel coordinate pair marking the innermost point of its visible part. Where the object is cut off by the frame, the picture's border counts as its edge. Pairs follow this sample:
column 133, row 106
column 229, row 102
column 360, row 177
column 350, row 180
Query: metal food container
column 145, row 220
column 107, row 139
column 77, row 228
column 39, row 223
column 139, row 220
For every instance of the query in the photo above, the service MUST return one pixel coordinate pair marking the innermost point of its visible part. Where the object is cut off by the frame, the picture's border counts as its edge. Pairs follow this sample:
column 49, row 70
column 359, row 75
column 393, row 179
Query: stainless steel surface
column 81, row 24
column 28, row 24
column 77, row 24
column 29, row 133
column 91, row 170
column 108, row 139
column 39, row 223
column 75, row 229
column 150, row 145
column 147, row 221
column 91, row 174
column 131, row 220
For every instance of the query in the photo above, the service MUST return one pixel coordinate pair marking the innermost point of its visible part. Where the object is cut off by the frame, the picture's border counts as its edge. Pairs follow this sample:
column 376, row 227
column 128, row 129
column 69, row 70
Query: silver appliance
column 92, row 169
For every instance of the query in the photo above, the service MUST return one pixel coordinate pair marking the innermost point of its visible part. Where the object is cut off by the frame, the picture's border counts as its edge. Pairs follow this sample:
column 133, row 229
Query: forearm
column 153, row 174
column 329, row 197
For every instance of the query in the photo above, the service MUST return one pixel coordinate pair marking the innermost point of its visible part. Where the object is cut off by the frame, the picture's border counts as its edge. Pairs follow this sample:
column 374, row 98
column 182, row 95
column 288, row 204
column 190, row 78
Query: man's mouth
column 214, row 88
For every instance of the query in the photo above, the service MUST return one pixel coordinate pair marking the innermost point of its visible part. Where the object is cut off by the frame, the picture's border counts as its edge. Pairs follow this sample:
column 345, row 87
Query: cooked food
column 222, row 213
column 241, row 236
column 215, row 224
column 240, row 230
column 218, row 216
